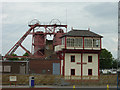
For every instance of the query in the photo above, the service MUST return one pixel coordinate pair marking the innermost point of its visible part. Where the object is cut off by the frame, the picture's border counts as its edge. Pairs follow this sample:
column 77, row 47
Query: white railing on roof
column 59, row 47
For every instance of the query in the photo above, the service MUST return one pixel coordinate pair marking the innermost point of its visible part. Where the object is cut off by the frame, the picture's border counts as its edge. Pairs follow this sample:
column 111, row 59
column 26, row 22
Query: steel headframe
column 48, row 30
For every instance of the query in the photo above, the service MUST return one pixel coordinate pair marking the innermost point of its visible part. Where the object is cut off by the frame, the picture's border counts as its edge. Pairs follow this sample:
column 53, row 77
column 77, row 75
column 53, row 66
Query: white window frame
column 88, row 42
column 7, row 68
column 78, row 42
column 1, row 68
column 74, row 42
column 96, row 42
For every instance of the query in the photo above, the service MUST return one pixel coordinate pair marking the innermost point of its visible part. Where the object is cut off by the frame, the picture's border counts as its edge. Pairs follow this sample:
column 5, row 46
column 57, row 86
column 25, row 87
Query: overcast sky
column 100, row 17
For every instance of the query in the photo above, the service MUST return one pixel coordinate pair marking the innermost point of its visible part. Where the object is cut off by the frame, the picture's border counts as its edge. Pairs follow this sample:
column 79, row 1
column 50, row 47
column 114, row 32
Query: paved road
column 58, row 88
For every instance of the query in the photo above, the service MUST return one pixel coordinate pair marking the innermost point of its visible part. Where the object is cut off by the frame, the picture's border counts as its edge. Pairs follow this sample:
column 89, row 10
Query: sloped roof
column 82, row 33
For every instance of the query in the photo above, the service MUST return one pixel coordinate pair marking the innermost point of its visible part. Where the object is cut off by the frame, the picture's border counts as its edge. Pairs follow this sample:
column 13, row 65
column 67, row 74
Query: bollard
column 73, row 87
column 107, row 86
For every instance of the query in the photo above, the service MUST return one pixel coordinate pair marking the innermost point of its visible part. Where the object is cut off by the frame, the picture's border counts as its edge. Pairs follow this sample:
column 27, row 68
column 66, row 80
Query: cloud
column 99, row 17
column 103, row 10
column 0, row 27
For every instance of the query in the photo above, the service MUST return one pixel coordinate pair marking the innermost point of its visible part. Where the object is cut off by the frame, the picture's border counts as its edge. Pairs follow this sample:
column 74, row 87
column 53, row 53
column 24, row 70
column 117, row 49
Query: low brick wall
column 108, row 79
column 24, row 79
column 58, row 80
column 104, row 80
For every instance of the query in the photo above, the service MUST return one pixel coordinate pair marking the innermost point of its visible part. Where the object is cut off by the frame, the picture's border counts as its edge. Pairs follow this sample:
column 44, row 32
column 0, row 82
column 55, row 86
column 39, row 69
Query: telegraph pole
column 118, row 32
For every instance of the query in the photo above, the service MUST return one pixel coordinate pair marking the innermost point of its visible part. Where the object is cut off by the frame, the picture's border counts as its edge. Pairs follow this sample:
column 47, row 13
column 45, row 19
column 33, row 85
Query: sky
column 100, row 17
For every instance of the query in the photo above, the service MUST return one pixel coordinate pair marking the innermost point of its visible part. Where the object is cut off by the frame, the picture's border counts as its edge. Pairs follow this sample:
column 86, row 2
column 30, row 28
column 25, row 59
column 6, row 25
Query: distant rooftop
column 82, row 33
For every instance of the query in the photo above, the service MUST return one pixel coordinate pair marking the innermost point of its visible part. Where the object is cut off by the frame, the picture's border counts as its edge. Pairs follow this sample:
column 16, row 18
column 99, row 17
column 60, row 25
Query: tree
column 114, row 64
column 0, row 57
column 14, row 57
column 106, row 59
column 26, row 54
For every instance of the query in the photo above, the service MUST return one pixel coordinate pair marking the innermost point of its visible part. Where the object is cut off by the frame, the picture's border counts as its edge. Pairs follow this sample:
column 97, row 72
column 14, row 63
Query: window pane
column 72, row 71
column 74, row 42
column 68, row 42
column 0, row 68
column 89, row 71
column 43, row 71
column 78, row 42
column 89, row 58
column 72, row 58
column 7, row 68
column 96, row 42
column 88, row 42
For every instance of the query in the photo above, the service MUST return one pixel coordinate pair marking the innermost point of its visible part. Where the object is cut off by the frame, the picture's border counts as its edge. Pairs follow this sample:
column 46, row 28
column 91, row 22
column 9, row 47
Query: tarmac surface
column 13, row 87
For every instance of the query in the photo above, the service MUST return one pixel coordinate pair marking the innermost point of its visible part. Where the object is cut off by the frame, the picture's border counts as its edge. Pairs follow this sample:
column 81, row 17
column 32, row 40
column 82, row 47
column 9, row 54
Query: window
column 63, row 40
column 78, row 42
column 88, row 43
column 89, row 71
column 68, row 42
column 1, row 68
column 72, row 58
column 96, row 42
column 74, row 42
column 43, row 71
column 89, row 58
column 72, row 71
column 7, row 68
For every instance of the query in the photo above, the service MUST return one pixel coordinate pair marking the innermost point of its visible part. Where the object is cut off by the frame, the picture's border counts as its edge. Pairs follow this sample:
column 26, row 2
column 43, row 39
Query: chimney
column 71, row 28
column 88, row 29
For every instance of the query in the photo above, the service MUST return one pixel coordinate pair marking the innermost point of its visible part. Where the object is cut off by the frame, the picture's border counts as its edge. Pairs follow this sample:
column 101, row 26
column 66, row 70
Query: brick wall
column 57, row 79
column 14, row 67
column 42, row 66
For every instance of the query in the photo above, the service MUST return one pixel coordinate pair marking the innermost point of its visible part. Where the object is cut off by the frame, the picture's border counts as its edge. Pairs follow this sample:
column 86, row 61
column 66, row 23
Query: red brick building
column 49, row 65
column 44, row 66
column 14, row 67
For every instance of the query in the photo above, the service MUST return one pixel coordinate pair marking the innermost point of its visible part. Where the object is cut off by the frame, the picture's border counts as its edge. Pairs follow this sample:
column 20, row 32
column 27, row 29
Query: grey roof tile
column 82, row 33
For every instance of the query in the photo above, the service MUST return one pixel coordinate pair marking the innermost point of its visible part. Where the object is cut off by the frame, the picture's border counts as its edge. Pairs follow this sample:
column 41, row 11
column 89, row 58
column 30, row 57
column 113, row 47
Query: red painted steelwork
column 38, row 40
column 57, row 40
column 45, row 26
column 13, row 49
column 81, row 64
column 39, row 44
column 65, row 42
column 60, row 57
column 26, row 50
column 80, row 51
column 63, row 64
